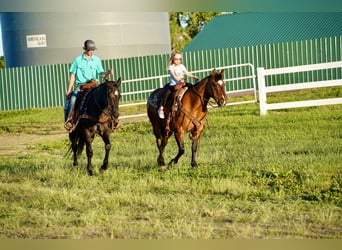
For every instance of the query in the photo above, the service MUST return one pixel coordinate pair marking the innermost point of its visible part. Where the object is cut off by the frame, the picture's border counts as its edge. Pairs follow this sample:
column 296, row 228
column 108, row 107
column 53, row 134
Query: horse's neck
column 99, row 95
column 200, row 91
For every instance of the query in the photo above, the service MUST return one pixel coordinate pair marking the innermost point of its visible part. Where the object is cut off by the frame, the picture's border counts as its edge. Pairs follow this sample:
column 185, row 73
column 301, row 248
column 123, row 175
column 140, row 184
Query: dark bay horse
column 99, row 113
column 189, row 117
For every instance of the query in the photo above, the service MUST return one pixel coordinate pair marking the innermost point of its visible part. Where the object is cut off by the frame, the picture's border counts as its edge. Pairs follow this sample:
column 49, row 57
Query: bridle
column 203, row 99
column 111, row 112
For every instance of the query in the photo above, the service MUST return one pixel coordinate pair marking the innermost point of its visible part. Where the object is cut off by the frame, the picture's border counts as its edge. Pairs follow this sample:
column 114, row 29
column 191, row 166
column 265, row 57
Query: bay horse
column 99, row 113
column 189, row 117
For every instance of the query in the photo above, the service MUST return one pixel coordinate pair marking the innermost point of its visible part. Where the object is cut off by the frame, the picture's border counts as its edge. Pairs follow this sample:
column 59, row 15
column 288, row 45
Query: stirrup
column 161, row 112
column 167, row 127
column 68, row 125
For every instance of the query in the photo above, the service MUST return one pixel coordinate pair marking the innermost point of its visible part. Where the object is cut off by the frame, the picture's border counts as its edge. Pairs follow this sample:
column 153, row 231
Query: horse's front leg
column 195, row 140
column 194, row 153
column 180, row 142
column 106, row 140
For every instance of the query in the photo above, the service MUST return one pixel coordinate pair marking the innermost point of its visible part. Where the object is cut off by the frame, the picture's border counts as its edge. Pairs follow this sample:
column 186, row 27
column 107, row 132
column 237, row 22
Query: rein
column 192, row 118
column 196, row 122
column 203, row 99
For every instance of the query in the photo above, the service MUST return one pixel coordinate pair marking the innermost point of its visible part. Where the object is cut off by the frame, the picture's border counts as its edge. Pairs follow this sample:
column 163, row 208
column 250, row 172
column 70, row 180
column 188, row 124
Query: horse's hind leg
column 161, row 146
column 108, row 146
column 89, row 150
column 73, row 140
column 161, row 141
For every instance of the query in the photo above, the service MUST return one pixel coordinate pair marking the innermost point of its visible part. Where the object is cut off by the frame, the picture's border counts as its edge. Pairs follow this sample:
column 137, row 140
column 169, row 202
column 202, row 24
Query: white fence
column 163, row 79
column 263, row 90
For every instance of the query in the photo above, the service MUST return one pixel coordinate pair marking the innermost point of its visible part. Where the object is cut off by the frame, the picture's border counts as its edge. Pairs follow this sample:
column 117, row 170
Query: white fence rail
column 163, row 81
column 263, row 89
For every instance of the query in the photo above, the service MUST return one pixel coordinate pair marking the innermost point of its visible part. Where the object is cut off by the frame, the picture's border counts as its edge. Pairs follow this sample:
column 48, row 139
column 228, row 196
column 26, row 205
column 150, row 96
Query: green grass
column 277, row 176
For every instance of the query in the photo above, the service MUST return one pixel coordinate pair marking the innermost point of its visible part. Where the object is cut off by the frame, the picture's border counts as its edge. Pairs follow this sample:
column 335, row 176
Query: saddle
column 79, row 105
column 174, row 105
column 89, row 85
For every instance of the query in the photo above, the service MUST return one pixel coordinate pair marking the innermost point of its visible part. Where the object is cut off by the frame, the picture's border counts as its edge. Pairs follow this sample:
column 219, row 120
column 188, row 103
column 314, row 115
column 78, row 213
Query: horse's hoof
column 194, row 165
column 164, row 167
column 103, row 168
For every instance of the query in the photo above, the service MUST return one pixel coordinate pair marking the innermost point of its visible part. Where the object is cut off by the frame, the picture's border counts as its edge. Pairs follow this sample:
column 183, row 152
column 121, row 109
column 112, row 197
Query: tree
column 184, row 26
column 2, row 62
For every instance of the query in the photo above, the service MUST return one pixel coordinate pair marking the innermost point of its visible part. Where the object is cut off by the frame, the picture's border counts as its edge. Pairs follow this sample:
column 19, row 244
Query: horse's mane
column 90, row 101
column 201, row 81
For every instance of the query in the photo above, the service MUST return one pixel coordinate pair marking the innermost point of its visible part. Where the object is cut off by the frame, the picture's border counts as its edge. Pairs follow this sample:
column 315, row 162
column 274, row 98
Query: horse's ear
column 222, row 73
column 213, row 73
column 118, row 82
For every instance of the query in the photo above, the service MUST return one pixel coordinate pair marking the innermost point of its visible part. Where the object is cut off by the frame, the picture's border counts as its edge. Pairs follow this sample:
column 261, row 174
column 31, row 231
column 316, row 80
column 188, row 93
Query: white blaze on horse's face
column 116, row 93
column 221, row 83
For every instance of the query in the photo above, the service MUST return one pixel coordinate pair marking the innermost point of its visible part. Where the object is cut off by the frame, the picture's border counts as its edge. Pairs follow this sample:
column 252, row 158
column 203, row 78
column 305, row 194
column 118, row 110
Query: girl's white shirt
column 179, row 70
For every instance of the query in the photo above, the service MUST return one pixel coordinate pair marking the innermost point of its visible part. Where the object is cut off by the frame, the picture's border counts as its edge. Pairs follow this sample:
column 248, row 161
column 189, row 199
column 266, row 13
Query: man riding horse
column 84, row 70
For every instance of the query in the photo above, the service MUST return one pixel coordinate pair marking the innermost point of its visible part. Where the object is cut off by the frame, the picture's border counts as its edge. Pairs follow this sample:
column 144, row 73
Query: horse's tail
column 79, row 142
column 67, row 154
column 80, row 146
column 155, row 98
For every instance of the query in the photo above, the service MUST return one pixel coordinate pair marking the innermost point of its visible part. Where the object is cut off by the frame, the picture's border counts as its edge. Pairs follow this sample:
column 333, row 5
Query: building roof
column 248, row 29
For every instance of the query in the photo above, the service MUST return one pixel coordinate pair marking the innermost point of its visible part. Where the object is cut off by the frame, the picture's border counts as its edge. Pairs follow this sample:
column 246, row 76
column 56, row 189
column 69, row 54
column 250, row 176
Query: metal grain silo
column 53, row 38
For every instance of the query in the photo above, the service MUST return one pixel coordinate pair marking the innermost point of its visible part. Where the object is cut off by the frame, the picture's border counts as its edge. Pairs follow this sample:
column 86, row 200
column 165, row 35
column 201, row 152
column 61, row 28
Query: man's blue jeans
column 70, row 103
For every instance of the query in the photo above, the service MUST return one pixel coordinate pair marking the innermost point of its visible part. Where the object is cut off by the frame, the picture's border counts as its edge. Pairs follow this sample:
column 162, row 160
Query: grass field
column 277, row 176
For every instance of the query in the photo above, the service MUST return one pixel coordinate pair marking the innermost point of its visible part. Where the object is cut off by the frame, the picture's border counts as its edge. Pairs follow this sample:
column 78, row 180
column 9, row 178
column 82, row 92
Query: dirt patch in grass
column 18, row 143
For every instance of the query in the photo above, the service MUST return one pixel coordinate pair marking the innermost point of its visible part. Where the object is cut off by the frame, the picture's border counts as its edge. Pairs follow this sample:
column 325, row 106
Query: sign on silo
column 36, row 41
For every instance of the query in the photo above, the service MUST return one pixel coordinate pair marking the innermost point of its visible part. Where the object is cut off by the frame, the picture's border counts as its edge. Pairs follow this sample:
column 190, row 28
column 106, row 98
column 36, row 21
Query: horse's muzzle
column 115, row 122
column 221, row 102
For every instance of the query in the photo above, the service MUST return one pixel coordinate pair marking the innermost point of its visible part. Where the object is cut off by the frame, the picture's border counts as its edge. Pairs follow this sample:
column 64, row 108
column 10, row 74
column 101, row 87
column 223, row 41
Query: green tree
column 184, row 26
column 2, row 62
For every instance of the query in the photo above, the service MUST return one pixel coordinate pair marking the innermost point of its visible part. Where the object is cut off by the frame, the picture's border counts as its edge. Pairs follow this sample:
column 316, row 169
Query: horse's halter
column 109, row 107
column 113, row 96
column 216, row 86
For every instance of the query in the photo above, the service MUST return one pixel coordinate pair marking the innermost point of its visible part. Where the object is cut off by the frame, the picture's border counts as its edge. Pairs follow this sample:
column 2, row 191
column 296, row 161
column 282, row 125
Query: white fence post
column 161, row 84
column 262, row 91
